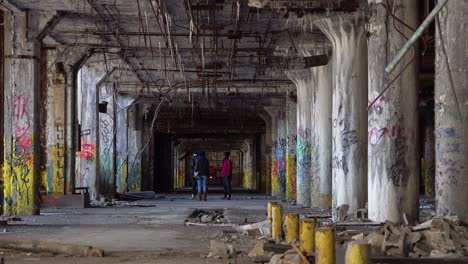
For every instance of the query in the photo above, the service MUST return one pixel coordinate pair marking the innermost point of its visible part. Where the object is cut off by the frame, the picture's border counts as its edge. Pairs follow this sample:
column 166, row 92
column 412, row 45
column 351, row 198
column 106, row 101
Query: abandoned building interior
column 348, row 114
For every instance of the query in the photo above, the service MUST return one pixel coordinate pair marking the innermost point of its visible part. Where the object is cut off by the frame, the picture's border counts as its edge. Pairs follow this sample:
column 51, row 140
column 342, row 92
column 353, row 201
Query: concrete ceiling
column 223, row 56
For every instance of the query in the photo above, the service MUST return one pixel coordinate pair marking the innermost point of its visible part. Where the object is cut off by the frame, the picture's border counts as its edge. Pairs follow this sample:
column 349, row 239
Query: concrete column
column 451, row 111
column 248, row 179
column 122, row 104
column 88, row 155
column 393, row 161
column 281, row 152
column 266, row 142
column 55, row 125
column 321, row 182
column 302, row 80
column 134, row 145
column 273, row 111
column 291, row 141
column 106, row 140
column 349, row 163
column 428, row 165
column 21, row 120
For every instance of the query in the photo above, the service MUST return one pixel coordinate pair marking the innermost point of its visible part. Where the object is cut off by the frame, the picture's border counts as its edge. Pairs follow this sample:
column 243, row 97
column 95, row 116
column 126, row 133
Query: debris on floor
column 256, row 229
column 221, row 250
column 201, row 217
column 438, row 237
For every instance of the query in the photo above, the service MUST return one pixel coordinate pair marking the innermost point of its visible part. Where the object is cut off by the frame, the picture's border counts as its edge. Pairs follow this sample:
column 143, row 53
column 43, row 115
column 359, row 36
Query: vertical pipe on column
column 451, row 129
column 393, row 163
column 349, row 123
column 303, row 79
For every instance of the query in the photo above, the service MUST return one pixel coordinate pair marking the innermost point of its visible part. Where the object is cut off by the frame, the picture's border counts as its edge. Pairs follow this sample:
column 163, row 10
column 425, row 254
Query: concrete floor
column 131, row 234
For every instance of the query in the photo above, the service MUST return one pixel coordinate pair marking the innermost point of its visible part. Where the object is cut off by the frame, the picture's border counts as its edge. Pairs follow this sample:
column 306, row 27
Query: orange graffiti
column 88, row 151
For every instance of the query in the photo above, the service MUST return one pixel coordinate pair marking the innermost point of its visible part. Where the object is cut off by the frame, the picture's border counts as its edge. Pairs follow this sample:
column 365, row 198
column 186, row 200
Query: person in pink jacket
column 226, row 173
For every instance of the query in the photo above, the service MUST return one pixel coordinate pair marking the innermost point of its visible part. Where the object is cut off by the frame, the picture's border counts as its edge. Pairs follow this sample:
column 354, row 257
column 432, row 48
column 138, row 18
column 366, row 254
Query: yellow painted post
column 358, row 252
column 325, row 245
column 269, row 213
column 307, row 236
column 292, row 227
column 277, row 222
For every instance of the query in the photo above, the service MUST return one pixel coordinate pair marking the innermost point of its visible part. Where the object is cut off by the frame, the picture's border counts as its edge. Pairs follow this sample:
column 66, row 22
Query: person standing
column 194, row 177
column 226, row 172
column 202, row 168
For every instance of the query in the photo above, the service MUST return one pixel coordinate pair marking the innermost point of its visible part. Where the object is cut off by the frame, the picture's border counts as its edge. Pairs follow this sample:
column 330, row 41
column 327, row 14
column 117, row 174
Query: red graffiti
column 377, row 134
column 376, row 103
column 21, row 112
column 88, row 151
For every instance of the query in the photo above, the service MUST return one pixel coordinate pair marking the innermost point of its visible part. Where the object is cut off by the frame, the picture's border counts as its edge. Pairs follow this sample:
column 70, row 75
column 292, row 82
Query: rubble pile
column 438, row 237
column 199, row 216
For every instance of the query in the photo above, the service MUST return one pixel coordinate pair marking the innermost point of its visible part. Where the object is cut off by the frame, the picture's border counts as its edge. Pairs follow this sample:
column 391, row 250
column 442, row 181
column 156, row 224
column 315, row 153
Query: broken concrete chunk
column 257, row 250
column 358, row 237
column 420, row 252
column 438, row 240
column 221, row 250
column 413, row 237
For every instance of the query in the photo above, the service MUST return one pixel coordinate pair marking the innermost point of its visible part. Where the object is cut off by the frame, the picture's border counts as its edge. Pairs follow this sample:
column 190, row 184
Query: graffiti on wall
column 106, row 162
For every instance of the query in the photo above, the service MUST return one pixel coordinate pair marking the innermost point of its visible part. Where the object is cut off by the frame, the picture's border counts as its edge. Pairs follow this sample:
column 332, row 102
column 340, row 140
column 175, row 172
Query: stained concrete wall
column 248, row 165
column 134, row 148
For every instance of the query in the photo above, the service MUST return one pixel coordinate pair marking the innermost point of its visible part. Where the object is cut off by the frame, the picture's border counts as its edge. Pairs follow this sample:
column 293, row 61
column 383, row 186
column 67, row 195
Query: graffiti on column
column 106, row 178
column 18, row 164
column 58, row 157
column 291, row 163
column 87, row 156
column 281, row 154
column 275, row 189
column 304, row 159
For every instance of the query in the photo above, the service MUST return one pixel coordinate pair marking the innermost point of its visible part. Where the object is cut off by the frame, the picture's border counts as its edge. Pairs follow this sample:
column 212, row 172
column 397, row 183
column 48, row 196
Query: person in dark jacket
column 194, row 178
column 226, row 173
column 202, row 169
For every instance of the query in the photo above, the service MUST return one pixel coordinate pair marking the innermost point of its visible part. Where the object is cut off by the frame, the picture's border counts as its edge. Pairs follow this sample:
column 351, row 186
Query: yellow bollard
column 358, row 252
column 292, row 227
column 325, row 245
column 277, row 222
column 270, row 206
column 308, row 236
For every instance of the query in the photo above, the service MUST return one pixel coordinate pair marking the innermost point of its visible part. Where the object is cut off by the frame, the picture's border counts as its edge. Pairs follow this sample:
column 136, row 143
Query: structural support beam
column 275, row 184
column 321, row 182
column 393, row 165
column 451, row 111
column 21, row 121
column 291, row 141
column 346, row 32
column 303, row 81
column 281, row 152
